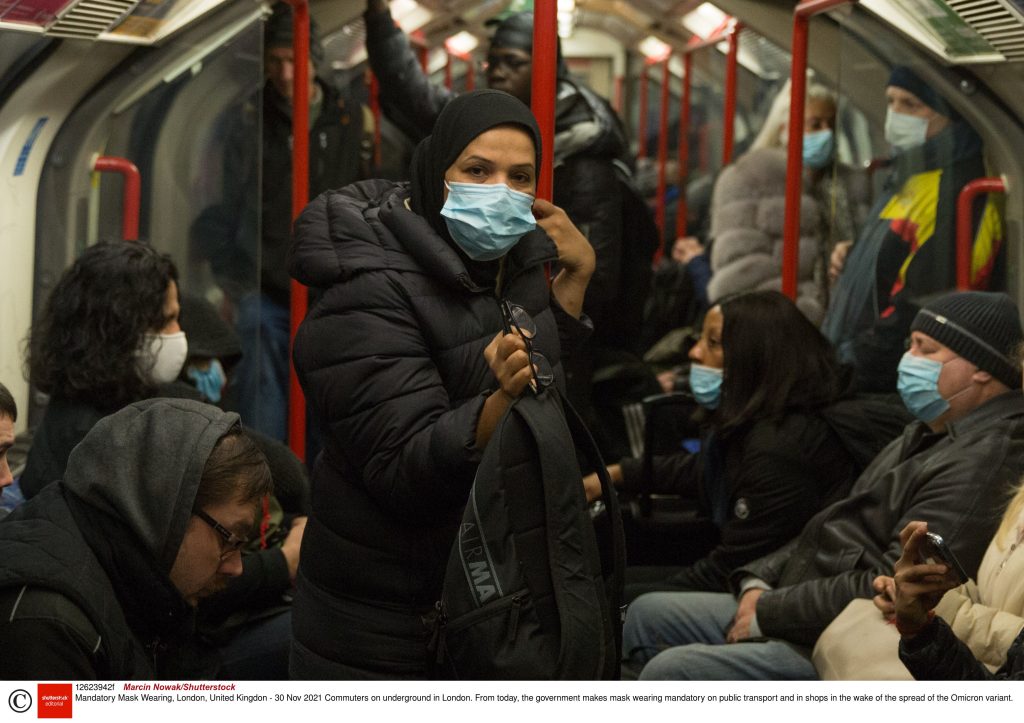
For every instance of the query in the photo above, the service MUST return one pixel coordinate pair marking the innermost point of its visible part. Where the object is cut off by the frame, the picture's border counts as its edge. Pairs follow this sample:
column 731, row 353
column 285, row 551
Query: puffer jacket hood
column 584, row 123
column 130, row 462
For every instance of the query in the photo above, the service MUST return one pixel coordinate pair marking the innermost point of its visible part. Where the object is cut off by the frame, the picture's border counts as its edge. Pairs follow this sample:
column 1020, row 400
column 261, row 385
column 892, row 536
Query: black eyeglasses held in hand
column 513, row 316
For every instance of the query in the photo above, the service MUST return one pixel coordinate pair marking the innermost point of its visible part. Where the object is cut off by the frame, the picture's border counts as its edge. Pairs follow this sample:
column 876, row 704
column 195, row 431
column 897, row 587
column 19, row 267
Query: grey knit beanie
column 982, row 327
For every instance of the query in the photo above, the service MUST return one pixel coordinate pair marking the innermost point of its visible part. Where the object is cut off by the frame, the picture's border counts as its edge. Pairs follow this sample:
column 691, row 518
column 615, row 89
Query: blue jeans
column 261, row 377
column 681, row 636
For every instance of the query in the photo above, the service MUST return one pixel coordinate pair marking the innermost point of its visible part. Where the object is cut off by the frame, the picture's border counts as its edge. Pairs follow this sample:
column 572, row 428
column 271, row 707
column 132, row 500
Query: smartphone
column 934, row 550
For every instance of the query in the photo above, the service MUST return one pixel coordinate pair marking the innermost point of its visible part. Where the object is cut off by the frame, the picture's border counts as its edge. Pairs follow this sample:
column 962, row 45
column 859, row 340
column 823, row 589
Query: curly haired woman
column 108, row 336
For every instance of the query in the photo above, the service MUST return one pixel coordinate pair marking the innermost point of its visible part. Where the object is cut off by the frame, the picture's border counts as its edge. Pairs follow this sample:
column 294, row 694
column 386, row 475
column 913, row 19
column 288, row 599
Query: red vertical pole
column 448, row 70
column 684, row 144
column 795, row 143
column 964, row 226
column 544, row 81
column 424, row 56
column 729, row 122
column 470, row 73
column 375, row 110
column 795, row 160
column 659, row 213
column 300, row 197
column 131, row 195
column 641, row 123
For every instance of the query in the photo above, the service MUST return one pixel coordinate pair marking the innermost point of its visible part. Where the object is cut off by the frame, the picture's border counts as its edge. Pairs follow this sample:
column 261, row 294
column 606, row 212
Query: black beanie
column 983, row 328
column 278, row 32
column 904, row 77
column 207, row 333
column 516, row 31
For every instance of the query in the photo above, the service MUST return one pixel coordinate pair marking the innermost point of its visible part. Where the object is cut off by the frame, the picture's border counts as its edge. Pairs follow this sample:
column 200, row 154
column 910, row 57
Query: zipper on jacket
column 513, row 624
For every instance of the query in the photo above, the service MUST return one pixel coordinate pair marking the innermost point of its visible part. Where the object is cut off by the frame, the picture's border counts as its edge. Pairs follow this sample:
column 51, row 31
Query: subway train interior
column 159, row 83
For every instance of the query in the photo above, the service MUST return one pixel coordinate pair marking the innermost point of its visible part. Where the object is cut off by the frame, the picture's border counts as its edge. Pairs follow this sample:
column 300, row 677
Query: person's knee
column 675, row 663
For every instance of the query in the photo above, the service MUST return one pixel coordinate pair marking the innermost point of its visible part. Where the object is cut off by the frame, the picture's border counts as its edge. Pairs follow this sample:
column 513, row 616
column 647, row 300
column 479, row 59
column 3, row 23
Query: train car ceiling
column 117, row 21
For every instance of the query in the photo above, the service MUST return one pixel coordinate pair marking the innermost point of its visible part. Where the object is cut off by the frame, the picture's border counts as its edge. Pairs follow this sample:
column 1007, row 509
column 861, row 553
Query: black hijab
column 464, row 118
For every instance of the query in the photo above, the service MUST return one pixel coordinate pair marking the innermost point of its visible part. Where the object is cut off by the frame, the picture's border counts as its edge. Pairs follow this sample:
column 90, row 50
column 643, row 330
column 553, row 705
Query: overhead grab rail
column 964, row 225
column 802, row 15
column 131, row 197
column 300, row 197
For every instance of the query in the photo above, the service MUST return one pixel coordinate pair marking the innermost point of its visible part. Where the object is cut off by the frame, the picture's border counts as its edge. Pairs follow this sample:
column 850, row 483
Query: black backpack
column 532, row 591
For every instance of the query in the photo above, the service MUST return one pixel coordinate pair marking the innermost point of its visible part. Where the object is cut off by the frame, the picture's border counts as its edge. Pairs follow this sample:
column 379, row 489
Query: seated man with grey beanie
column 960, row 377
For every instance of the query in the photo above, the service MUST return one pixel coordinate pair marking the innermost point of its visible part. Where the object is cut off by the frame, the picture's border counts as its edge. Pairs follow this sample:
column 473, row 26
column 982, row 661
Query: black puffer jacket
column 391, row 360
column 957, row 481
column 759, row 485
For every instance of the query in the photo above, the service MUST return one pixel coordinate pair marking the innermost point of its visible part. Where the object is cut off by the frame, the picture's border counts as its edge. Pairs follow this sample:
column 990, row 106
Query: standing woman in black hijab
column 404, row 362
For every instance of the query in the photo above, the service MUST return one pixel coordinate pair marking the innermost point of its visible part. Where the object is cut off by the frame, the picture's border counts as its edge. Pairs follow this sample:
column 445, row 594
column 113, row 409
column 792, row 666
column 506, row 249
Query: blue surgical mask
column 818, row 147
column 487, row 219
column 706, row 385
column 918, row 385
column 904, row 131
column 210, row 381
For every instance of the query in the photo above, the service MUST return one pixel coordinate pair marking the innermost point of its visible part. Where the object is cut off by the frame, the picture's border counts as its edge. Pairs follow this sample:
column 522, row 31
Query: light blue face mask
column 818, row 147
column 918, row 385
column 210, row 381
column 706, row 385
column 904, row 131
column 487, row 219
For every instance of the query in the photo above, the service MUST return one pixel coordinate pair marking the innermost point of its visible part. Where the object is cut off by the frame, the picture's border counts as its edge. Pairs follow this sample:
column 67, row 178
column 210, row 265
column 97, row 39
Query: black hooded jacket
column 391, row 360
column 92, row 554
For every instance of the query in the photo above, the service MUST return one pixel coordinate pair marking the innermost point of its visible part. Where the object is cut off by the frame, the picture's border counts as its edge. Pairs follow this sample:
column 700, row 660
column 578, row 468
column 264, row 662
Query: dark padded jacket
column 760, row 486
column 391, row 361
column 957, row 481
column 936, row 653
column 592, row 178
column 101, row 544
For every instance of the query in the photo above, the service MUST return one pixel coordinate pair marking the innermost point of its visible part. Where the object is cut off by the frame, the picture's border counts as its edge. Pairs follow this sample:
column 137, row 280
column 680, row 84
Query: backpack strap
column 555, row 465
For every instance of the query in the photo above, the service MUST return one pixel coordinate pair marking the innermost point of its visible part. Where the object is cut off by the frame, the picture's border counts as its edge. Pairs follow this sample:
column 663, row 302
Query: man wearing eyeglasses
column 103, row 571
column 592, row 174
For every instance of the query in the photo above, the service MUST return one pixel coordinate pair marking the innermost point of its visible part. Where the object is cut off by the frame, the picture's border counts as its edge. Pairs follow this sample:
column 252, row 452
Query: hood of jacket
column 142, row 465
column 585, row 123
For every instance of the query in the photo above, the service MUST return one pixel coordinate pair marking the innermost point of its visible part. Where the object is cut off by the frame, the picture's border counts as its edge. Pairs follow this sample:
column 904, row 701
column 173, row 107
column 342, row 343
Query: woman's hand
column 592, row 484
column 885, row 587
column 919, row 587
column 575, row 255
column 510, row 364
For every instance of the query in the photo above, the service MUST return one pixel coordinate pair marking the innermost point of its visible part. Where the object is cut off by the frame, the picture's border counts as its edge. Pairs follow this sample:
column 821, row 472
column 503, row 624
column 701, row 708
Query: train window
column 188, row 115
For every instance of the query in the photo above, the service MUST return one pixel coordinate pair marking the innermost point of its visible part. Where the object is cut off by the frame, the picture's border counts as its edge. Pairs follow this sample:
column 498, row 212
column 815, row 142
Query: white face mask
column 162, row 356
column 905, row 131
